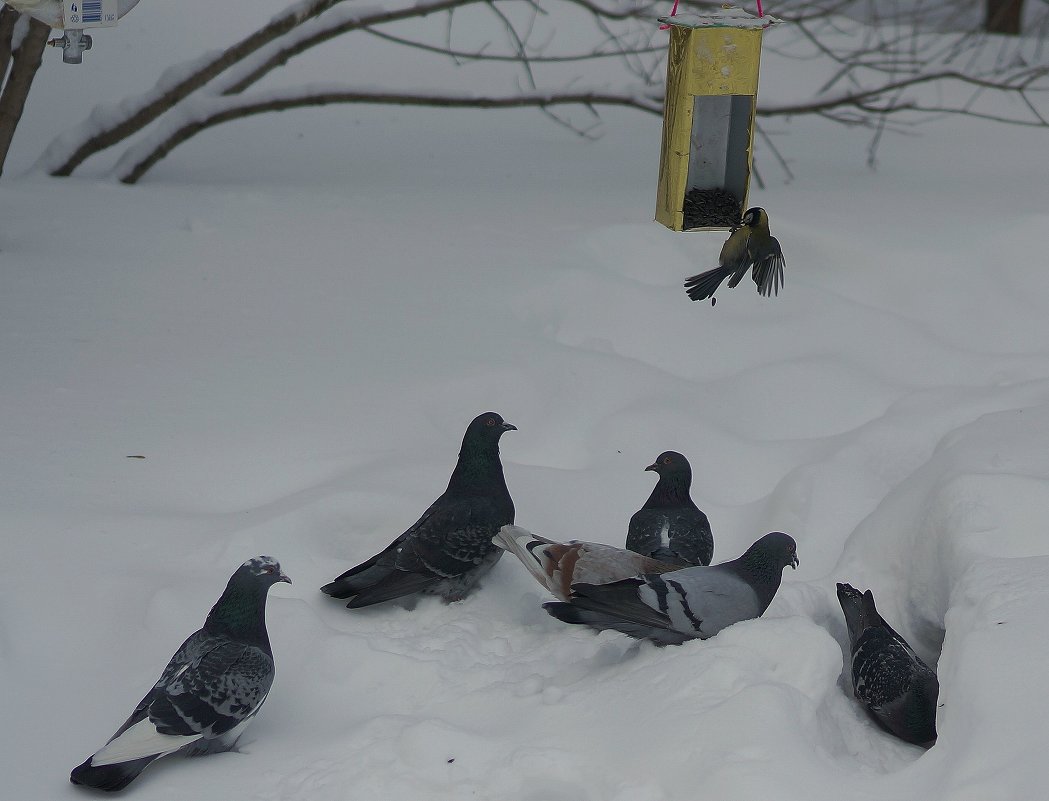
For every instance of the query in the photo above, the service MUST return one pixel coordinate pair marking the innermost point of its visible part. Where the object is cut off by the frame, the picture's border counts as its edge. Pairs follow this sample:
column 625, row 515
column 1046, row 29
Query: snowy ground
column 293, row 319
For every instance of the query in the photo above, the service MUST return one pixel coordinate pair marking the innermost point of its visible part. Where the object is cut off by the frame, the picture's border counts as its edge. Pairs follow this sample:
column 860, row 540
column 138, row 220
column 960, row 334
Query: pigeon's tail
column 579, row 612
column 109, row 777
column 371, row 583
column 704, row 285
column 524, row 544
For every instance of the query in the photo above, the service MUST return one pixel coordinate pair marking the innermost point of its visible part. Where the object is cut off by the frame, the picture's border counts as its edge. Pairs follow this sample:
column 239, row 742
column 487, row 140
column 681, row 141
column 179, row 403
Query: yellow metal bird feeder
column 708, row 118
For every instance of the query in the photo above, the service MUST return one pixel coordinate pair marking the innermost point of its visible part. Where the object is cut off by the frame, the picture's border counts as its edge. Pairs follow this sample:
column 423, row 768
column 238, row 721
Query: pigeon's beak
column 284, row 577
column 653, row 467
column 794, row 561
column 509, row 427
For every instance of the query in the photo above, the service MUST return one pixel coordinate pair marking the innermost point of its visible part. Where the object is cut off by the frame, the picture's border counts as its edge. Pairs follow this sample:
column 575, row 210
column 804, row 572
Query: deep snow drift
column 295, row 342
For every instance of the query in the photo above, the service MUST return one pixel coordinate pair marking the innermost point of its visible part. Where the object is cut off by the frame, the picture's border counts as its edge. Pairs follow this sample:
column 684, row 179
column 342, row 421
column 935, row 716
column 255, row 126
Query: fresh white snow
column 292, row 319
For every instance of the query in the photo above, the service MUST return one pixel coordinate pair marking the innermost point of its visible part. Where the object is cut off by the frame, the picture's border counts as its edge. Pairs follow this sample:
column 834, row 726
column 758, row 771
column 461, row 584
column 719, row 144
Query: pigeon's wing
column 883, row 666
column 605, row 564
column 690, row 539
column 195, row 646
column 617, row 606
column 647, row 532
column 621, row 599
column 701, row 600
column 452, row 537
column 588, row 613
column 214, row 692
column 679, row 536
column 391, row 573
column 559, row 565
column 367, row 572
column 898, row 689
column 386, row 585
column 768, row 271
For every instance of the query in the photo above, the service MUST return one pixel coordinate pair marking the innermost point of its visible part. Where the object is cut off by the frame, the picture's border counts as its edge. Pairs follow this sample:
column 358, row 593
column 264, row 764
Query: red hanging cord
column 673, row 11
column 760, row 12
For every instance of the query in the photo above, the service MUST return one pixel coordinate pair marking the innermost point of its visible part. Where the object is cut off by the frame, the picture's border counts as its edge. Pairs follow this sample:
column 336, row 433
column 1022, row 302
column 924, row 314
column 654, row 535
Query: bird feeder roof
column 730, row 17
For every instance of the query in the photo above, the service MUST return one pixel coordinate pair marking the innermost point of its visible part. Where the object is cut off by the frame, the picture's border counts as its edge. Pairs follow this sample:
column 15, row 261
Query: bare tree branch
column 323, row 33
column 207, row 113
column 882, row 58
column 467, row 55
column 60, row 163
column 863, row 97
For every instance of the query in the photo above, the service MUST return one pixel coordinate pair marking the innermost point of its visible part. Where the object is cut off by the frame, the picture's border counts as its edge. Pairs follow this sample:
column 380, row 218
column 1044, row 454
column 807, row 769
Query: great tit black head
column 755, row 216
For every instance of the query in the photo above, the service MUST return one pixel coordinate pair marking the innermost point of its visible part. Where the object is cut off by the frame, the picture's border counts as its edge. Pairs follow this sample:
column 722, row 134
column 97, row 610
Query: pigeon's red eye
column 667, row 460
column 490, row 421
column 269, row 570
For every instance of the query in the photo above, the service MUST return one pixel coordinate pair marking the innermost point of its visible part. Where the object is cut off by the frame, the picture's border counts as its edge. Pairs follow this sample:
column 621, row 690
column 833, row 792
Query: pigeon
column 686, row 604
column 450, row 547
column 559, row 565
column 897, row 688
column 751, row 244
column 208, row 693
column 670, row 527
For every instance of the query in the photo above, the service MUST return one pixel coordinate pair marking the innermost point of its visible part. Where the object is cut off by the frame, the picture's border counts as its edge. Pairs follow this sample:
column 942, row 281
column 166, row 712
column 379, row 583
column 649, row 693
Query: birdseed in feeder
column 706, row 208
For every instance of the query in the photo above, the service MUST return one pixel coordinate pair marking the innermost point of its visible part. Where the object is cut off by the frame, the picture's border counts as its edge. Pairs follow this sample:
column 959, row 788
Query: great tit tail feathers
column 704, row 285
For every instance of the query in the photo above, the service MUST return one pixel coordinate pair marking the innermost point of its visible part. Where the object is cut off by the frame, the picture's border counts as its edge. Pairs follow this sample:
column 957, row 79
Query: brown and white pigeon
column 686, row 604
column 559, row 565
column 209, row 692
column 450, row 547
column 897, row 688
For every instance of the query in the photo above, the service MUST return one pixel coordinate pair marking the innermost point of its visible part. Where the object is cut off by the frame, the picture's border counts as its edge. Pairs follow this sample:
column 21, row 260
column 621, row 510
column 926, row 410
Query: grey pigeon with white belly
column 450, row 547
column 896, row 687
column 559, row 565
column 670, row 527
column 208, row 693
column 686, row 604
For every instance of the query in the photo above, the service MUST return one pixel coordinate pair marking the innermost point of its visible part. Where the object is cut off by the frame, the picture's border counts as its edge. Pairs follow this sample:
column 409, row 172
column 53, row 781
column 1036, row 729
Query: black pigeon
column 897, row 688
column 687, row 604
column 450, row 547
column 209, row 691
column 670, row 527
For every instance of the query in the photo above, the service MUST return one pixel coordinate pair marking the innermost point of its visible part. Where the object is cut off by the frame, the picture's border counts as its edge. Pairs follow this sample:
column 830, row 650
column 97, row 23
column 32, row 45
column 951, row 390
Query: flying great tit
column 749, row 245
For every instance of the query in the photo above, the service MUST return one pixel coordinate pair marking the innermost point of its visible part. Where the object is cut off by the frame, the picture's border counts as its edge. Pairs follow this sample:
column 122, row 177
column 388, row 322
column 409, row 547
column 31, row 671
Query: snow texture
column 292, row 319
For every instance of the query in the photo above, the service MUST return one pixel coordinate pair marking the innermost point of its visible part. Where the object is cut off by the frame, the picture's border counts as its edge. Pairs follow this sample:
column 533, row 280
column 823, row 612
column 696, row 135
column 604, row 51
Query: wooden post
column 24, row 61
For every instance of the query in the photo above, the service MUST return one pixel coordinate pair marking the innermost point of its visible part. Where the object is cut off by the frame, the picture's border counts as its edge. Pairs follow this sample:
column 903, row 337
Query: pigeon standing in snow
column 670, row 527
column 559, row 565
column 450, row 547
column 897, row 688
column 687, row 604
column 209, row 691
